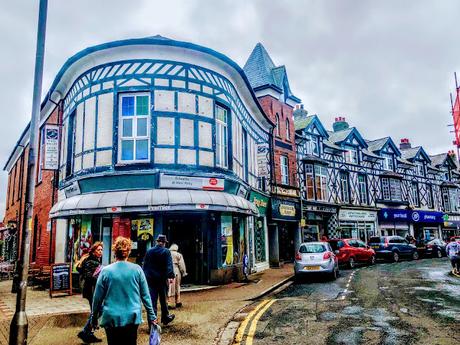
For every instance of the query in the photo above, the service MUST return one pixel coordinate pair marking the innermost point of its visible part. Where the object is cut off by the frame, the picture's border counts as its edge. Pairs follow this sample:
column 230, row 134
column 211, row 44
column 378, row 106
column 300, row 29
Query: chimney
column 405, row 144
column 300, row 112
column 340, row 124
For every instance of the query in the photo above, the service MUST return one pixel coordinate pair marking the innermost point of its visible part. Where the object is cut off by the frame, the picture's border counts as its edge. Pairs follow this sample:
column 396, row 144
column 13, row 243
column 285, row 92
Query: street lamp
column 19, row 325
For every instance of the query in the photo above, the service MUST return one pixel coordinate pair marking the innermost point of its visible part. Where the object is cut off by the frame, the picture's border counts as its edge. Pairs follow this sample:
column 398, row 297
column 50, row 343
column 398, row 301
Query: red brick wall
column 15, row 202
column 44, row 198
column 272, row 107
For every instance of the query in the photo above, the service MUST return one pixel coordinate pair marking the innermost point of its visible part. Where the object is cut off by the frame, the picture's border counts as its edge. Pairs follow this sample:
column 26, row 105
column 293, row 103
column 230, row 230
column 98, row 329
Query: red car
column 350, row 251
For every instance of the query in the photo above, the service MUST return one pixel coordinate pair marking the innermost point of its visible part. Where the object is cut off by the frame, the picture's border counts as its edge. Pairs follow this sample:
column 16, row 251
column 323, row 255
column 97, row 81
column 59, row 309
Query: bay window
column 134, row 128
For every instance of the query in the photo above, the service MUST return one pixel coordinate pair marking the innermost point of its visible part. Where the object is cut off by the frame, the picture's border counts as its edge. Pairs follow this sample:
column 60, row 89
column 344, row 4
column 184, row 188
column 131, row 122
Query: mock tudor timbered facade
column 351, row 187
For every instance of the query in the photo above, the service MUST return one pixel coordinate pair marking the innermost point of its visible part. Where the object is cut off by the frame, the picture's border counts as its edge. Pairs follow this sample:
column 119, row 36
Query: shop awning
column 152, row 200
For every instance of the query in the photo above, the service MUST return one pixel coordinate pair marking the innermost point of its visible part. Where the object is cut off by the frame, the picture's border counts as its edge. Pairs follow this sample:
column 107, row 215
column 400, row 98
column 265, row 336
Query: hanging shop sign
column 191, row 182
column 72, row 190
column 284, row 191
column 261, row 202
column 358, row 215
column 242, row 191
column 396, row 215
column 285, row 210
column 51, row 147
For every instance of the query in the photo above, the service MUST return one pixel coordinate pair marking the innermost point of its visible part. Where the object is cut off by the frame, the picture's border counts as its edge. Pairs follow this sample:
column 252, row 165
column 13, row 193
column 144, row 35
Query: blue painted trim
column 317, row 123
column 154, row 41
column 99, row 149
column 116, row 102
column 96, row 121
column 153, row 127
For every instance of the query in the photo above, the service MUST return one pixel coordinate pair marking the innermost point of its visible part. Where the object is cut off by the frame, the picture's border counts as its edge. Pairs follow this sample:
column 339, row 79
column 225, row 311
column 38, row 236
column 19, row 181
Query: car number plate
column 376, row 247
column 312, row 268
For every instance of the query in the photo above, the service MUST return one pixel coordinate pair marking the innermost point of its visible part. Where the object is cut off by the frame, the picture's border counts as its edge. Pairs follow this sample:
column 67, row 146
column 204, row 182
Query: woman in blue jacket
column 120, row 288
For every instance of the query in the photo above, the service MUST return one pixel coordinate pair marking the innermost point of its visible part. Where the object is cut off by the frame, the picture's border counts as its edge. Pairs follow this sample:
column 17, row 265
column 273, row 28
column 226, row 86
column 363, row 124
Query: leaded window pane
column 127, row 106
column 127, row 147
column 142, row 105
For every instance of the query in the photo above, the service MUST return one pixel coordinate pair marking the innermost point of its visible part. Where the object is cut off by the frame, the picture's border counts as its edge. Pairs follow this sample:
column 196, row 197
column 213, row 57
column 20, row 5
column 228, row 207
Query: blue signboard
column 396, row 215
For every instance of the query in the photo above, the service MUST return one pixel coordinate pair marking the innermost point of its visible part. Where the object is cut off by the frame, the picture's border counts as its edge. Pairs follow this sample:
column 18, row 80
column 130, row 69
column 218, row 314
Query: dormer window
column 387, row 163
column 420, row 169
column 351, row 155
column 312, row 145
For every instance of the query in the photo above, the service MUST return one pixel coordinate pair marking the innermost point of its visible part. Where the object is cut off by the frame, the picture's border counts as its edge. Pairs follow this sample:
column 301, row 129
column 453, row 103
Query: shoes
column 171, row 306
column 168, row 319
column 179, row 305
column 88, row 338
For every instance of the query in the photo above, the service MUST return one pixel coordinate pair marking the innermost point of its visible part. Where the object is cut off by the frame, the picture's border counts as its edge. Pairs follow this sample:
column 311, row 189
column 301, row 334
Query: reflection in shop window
column 226, row 240
column 259, row 240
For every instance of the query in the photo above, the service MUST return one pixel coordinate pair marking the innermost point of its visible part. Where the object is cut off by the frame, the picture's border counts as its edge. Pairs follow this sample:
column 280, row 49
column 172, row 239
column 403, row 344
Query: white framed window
column 391, row 189
column 309, row 182
column 420, row 169
column 284, row 170
column 221, row 137
column 415, row 194
column 362, row 185
column 387, row 163
column 344, row 186
column 134, row 128
column 312, row 145
column 351, row 155
column 321, row 182
column 288, row 130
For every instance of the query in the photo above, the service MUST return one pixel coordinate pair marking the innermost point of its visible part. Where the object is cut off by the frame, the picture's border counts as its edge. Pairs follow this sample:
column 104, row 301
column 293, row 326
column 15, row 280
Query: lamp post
column 19, row 325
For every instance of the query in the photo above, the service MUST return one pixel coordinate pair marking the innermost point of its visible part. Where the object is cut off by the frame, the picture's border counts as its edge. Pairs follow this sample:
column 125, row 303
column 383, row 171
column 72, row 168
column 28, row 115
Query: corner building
column 161, row 136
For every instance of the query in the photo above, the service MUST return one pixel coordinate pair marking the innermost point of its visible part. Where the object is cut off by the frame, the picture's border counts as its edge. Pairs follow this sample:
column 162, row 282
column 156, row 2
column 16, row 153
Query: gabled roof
column 438, row 160
column 340, row 137
column 262, row 72
column 415, row 153
column 378, row 145
column 404, row 162
column 307, row 122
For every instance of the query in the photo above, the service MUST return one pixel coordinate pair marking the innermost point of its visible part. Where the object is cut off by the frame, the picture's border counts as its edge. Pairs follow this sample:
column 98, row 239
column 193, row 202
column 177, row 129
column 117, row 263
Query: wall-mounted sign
column 51, row 147
column 159, row 208
column 397, row 215
column 72, row 190
column 242, row 191
column 285, row 210
column 358, row 215
column 113, row 209
column 319, row 208
column 191, row 182
column 284, row 191
column 143, row 227
column 261, row 202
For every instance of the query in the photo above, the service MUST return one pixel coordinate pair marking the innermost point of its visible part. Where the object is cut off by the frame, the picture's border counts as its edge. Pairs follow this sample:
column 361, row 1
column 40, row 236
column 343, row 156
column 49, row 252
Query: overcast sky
column 387, row 66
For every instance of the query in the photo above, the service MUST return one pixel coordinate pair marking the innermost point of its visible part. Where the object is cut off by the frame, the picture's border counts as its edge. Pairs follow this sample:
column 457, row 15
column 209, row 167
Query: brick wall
column 43, row 234
column 272, row 108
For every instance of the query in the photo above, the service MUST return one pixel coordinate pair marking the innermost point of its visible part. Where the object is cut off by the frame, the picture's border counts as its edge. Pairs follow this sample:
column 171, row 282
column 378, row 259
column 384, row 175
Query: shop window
column 221, row 137
column 391, row 189
column 284, row 169
column 387, row 162
column 134, row 128
column 259, row 240
column 226, row 240
column 362, row 185
column 344, row 187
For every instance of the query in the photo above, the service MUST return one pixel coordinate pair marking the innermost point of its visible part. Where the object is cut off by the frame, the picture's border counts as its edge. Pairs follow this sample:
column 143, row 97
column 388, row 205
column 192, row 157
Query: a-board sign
column 61, row 279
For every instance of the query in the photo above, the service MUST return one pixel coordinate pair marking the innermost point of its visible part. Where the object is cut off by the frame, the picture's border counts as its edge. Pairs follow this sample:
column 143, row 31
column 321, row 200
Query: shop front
column 354, row 223
column 450, row 227
column 284, row 234
column 422, row 225
column 315, row 221
column 258, row 247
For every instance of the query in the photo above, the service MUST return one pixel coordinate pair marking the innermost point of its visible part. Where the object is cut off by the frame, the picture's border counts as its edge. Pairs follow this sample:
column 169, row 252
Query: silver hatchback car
column 316, row 257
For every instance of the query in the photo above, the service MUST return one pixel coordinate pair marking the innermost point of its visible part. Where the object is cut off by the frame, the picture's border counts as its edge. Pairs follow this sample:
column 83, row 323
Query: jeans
column 126, row 335
column 159, row 292
column 455, row 261
column 87, row 328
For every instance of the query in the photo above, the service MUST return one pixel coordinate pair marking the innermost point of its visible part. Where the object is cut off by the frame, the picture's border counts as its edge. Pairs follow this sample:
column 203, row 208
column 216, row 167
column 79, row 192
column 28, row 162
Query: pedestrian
column 159, row 271
column 453, row 253
column 120, row 288
column 89, row 267
column 179, row 272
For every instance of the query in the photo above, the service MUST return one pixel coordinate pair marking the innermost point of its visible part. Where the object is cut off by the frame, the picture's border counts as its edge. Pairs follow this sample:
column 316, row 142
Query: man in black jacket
column 158, row 269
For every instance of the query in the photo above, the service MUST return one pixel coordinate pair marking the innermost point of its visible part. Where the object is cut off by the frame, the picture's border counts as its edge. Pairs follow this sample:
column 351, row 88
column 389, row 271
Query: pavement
column 203, row 319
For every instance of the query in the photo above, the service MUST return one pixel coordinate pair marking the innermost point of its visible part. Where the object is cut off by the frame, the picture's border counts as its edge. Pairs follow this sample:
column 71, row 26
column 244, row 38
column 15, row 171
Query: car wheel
column 372, row 260
column 395, row 257
column 439, row 253
column 351, row 262
column 415, row 255
column 334, row 274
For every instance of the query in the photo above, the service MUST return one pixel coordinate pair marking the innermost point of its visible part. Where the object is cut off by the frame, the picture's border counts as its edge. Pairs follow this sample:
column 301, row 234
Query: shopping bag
column 155, row 335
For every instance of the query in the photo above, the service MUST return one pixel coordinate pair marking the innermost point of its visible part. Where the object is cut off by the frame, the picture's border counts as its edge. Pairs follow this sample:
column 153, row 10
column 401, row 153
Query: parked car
column 393, row 248
column 316, row 257
column 350, row 251
column 436, row 248
column 455, row 238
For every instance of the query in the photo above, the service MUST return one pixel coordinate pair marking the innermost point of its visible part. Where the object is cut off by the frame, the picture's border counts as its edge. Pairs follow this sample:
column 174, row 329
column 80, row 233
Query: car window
column 375, row 240
column 341, row 244
column 353, row 243
column 361, row 244
column 312, row 248
column 395, row 240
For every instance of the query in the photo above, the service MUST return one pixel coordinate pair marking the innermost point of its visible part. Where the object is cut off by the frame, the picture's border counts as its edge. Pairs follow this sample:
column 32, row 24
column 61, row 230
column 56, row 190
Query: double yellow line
column 255, row 315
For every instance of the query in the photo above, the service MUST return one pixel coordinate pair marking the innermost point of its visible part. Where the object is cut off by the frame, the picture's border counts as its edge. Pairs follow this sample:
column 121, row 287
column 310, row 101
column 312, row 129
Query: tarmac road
column 411, row 302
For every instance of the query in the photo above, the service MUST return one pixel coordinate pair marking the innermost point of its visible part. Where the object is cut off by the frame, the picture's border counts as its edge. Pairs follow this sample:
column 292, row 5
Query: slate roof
column 262, row 71
column 410, row 153
column 405, row 161
column 301, row 122
column 370, row 154
column 439, row 159
column 377, row 144
column 337, row 137
column 332, row 145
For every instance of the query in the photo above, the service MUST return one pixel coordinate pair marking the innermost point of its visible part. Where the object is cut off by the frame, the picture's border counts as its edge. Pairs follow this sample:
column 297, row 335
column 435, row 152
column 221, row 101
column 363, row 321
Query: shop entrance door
column 286, row 242
column 190, row 233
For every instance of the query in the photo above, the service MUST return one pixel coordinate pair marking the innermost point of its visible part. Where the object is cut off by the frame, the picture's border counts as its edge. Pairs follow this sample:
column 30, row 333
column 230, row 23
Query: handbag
column 155, row 335
column 97, row 271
